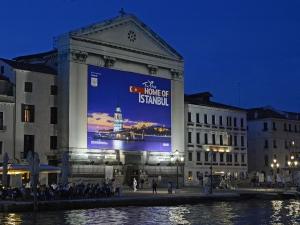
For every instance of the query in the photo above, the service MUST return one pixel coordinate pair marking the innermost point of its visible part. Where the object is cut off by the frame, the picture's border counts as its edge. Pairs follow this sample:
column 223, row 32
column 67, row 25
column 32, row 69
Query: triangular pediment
column 127, row 32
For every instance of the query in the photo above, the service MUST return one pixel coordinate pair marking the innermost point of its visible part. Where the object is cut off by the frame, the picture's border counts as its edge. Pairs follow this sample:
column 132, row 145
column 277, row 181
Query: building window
column 290, row 127
column 27, row 114
column 206, row 138
column 285, row 144
column 1, row 147
column 235, row 140
column 229, row 140
column 221, row 157
column 266, row 143
column 229, row 121
column 53, row 90
column 214, row 155
column 190, row 156
column 190, row 175
column 274, row 126
column 243, row 158
column 1, row 121
column 2, row 70
column 28, row 144
column 228, row 158
column 285, row 127
column 206, row 156
column 286, row 160
column 234, row 122
column 205, row 119
column 292, row 144
column 28, row 87
column 242, row 141
column 221, row 139
column 190, row 137
column 266, row 160
column 189, row 117
column 295, row 129
column 265, row 126
column 236, row 158
column 213, row 119
column 198, row 156
column 199, row 175
column 197, row 118
column 221, row 120
column 198, row 138
column 274, row 143
column 53, row 115
column 53, row 142
column 213, row 139
column 242, row 122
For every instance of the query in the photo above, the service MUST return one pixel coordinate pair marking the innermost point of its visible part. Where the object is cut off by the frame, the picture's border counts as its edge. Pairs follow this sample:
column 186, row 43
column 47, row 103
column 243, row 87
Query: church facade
column 121, row 99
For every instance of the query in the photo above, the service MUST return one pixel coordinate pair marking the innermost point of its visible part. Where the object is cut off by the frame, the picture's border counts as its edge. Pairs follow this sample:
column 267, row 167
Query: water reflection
column 250, row 212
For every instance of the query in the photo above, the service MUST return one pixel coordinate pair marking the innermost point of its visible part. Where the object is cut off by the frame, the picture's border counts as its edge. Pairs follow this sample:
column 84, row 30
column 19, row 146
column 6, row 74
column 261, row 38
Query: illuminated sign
column 128, row 111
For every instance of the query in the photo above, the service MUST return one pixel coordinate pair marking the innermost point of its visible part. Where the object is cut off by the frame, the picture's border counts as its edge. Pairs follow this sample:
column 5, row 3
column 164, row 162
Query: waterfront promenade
column 145, row 197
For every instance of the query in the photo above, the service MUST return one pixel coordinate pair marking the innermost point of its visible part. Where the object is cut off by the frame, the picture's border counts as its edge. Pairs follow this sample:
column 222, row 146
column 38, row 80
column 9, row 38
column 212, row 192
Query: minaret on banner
column 118, row 120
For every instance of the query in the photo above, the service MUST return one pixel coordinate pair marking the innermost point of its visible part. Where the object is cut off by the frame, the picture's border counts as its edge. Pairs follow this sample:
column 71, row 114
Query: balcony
column 2, row 128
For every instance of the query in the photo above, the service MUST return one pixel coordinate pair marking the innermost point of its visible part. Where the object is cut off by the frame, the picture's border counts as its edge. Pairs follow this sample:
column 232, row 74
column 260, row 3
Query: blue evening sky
column 246, row 53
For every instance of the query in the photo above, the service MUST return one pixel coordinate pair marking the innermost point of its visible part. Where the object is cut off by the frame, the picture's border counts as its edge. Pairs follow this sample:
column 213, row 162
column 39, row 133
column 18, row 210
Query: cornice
column 124, row 48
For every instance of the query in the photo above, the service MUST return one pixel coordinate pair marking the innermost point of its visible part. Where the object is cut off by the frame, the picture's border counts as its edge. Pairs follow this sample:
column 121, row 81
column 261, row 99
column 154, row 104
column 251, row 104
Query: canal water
column 248, row 212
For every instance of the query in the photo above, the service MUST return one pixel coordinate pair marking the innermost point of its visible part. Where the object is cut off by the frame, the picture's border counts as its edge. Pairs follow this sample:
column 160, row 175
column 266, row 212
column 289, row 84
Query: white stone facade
column 211, row 126
column 272, row 134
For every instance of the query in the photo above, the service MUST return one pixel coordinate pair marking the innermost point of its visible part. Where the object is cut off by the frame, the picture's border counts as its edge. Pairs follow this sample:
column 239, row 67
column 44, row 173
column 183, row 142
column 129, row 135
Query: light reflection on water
column 249, row 212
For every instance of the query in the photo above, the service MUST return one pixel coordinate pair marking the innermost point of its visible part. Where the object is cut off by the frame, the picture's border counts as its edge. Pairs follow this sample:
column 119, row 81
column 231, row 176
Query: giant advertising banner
column 128, row 111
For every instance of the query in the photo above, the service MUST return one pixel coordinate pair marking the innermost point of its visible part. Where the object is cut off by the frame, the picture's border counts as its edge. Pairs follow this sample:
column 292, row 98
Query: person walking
column 134, row 184
column 154, row 185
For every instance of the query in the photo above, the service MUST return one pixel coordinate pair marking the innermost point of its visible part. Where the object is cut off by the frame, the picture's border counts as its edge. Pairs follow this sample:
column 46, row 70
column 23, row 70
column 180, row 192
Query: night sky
column 245, row 53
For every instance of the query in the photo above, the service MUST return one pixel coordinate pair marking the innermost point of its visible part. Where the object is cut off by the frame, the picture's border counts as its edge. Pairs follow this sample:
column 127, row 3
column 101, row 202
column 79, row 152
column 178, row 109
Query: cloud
column 104, row 121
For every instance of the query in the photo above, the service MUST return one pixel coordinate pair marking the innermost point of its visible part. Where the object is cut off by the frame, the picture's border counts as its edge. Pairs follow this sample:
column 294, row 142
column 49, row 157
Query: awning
column 15, row 169
column 49, row 169
column 19, row 169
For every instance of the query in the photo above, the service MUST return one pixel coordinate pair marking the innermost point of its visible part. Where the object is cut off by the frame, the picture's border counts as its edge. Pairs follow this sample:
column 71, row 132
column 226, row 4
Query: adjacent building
column 28, row 111
column 272, row 134
column 217, row 127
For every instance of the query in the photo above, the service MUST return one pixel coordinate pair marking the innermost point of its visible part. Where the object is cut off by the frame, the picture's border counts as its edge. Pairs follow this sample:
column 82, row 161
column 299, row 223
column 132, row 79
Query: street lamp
column 178, row 161
column 275, row 166
column 292, row 162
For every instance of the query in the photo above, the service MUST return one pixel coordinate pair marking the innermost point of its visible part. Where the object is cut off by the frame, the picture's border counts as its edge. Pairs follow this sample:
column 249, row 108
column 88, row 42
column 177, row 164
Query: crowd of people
column 60, row 191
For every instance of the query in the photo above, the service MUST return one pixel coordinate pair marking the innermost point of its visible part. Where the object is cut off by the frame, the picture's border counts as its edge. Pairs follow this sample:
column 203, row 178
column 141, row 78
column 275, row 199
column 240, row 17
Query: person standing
column 207, row 184
column 142, row 183
column 154, row 185
column 134, row 184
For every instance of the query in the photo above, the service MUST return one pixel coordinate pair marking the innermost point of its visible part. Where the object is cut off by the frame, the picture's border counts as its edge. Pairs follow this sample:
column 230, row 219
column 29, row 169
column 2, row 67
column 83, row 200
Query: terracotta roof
column 269, row 112
column 30, row 67
column 4, row 78
column 38, row 55
column 195, row 99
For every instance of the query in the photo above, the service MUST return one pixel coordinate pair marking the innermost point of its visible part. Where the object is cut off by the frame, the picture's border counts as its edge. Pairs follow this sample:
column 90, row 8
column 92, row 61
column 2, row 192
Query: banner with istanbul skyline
column 128, row 111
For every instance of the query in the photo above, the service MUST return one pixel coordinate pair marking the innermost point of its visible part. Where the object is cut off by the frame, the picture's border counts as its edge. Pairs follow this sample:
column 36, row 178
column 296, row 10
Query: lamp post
column 178, row 161
column 275, row 166
column 211, row 152
column 292, row 163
